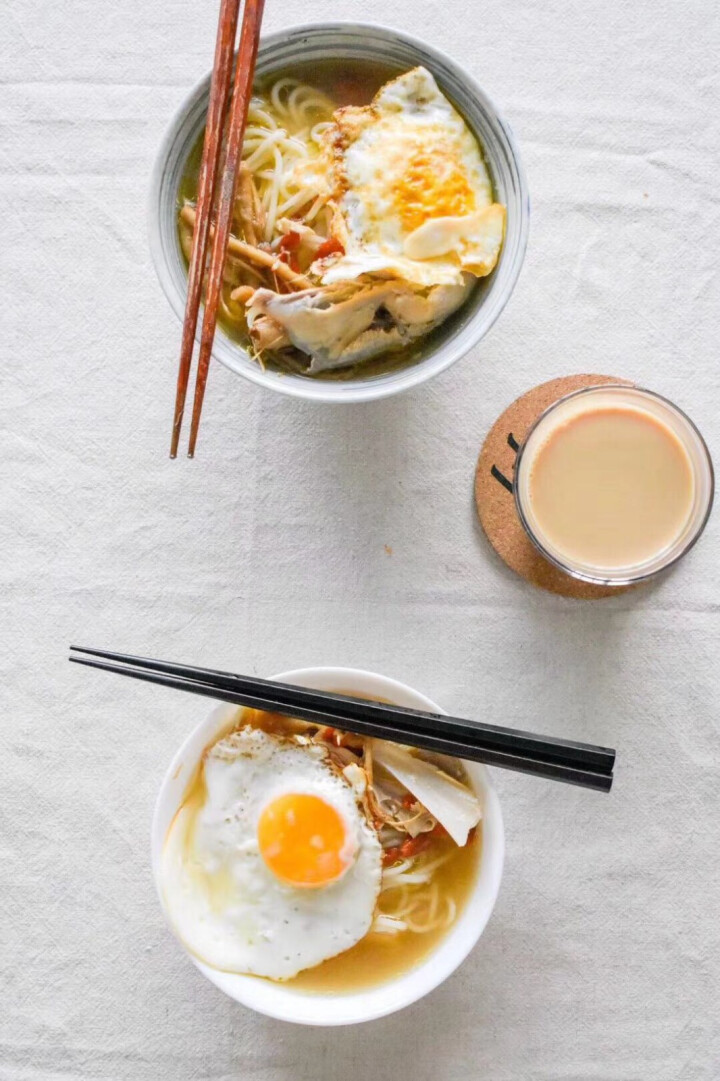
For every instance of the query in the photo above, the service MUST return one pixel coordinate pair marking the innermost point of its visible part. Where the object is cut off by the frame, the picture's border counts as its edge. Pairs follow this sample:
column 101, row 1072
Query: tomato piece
column 414, row 845
column 329, row 247
column 290, row 241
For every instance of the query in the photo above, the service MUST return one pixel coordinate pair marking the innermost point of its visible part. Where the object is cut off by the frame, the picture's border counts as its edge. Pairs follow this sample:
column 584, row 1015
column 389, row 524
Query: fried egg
column 413, row 195
column 270, row 866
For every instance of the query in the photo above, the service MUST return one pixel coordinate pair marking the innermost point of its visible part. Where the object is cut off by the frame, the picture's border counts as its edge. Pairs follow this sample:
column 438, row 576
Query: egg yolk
column 432, row 185
column 303, row 840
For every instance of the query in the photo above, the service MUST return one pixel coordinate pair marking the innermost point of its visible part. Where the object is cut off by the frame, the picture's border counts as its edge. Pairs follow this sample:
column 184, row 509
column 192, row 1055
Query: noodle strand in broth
column 276, row 144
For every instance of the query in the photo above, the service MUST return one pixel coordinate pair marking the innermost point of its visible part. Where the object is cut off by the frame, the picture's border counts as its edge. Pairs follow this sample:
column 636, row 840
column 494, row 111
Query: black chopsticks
column 563, row 760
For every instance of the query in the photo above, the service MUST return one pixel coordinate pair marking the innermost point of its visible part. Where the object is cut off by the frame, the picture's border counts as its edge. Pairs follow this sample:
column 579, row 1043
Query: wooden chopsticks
column 219, row 89
column 562, row 760
column 241, row 92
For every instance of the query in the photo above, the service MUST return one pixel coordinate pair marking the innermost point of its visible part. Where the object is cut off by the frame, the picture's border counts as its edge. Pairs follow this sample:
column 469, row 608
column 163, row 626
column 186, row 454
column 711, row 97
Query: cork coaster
column 495, row 500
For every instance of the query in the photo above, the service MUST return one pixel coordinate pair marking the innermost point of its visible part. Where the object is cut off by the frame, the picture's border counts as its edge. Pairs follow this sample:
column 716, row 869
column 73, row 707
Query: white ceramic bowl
column 357, row 40
column 280, row 1000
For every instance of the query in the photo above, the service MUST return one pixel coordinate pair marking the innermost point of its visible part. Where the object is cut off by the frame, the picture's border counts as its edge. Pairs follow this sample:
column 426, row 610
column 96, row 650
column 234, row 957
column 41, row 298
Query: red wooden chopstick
column 219, row 89
column 242, row 89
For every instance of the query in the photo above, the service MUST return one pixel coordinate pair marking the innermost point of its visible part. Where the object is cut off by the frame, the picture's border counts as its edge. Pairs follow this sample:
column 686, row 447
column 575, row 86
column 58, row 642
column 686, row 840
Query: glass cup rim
column 628, row 579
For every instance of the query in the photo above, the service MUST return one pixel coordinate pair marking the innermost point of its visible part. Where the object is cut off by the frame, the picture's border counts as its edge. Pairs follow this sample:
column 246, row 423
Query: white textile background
column 309, row 535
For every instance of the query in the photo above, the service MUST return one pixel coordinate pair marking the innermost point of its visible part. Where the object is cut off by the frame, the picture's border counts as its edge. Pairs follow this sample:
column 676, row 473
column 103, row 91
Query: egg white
column 222, row 900
column 413, row 194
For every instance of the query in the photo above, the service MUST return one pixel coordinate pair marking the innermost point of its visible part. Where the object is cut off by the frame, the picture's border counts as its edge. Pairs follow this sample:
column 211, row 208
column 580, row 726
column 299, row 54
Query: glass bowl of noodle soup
column 302, row 75
column 421, row 930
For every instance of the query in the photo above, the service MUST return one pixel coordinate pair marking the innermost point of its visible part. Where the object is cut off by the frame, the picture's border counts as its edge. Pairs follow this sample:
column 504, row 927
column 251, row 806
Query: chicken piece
column 422, row 310
column 348, row 322
column 267, row 334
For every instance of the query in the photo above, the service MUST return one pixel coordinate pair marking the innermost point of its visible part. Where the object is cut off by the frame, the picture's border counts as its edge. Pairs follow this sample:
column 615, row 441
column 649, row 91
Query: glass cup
column 588, row 400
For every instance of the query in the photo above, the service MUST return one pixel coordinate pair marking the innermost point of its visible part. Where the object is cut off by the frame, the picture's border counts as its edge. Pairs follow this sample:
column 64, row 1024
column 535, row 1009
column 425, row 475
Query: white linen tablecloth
column 602, row 960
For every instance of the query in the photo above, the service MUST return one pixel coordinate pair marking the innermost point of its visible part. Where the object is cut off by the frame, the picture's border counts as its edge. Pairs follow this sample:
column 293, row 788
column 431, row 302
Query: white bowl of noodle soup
column 355, row 41
column 282, row 1000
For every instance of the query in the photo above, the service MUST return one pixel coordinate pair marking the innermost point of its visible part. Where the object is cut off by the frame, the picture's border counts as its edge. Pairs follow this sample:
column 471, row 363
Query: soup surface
column 359, row 229
column 380, row 957
column 217, row 904
column 611, row 487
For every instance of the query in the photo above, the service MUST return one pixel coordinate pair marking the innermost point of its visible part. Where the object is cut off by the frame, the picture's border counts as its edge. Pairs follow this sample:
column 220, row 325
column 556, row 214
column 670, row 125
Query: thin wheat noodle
column 410, row 899
column 318, row 130
column 275, row 93
column 294, row 201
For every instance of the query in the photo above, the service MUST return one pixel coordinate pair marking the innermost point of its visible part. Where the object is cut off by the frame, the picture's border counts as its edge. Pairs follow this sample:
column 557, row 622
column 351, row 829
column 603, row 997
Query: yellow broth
column 381, row 957
column 347, row 81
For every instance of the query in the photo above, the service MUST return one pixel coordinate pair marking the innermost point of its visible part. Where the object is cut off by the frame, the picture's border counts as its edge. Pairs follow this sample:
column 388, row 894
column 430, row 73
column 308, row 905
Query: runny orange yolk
column 303, row 840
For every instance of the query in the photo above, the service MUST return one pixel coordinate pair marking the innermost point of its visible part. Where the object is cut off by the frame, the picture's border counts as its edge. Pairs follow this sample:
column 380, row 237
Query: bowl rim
column 404, row 379
column 279, row 1000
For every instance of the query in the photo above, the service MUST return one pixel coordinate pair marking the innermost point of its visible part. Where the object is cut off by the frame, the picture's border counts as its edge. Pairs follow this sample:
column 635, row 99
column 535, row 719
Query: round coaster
column 494, row 496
